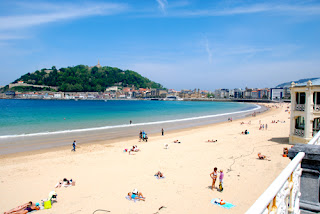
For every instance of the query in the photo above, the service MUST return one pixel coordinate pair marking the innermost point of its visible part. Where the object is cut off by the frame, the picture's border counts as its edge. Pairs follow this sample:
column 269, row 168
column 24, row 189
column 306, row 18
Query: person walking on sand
column 74, row 144
column 162, row 131
column 214, row 175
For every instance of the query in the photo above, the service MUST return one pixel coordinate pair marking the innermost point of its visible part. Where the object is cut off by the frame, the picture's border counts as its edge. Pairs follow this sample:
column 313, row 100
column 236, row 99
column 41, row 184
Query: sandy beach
column 104, row 173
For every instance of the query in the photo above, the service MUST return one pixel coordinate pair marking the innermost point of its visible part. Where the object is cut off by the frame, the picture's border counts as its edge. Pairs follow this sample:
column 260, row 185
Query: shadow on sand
column 281, row 140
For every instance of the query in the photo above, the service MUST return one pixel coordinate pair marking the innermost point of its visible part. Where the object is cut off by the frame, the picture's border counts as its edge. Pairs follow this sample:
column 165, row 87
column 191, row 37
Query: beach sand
column 104, row 174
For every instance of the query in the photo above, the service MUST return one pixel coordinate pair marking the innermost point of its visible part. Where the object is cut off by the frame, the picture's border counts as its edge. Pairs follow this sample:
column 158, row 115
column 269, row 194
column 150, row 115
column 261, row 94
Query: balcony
column 299, row 132
column 300, row 107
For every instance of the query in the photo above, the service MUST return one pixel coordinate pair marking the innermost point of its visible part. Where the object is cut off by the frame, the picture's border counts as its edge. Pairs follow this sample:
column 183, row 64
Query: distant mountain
column 82, row 78
column 300, row 82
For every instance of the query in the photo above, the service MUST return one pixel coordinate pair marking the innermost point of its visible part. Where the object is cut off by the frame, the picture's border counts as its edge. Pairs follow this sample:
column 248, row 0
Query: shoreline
column 134, row 136
column 23, row 144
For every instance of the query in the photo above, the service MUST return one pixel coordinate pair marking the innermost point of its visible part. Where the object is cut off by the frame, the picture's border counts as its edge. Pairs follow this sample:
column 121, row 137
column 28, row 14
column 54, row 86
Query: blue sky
column 182, row 44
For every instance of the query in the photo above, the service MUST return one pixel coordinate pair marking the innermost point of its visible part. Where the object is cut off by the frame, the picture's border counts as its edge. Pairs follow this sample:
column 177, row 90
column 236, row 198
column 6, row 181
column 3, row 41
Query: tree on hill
column 82, row 78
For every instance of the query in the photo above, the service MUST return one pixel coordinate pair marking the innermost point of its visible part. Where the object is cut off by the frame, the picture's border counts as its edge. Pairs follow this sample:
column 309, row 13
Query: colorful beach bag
column 47, row 204
column 220, row 187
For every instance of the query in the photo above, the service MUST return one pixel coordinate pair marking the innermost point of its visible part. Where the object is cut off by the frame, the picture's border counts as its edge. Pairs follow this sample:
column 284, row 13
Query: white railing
column 317, row 108
column 299, row 107
column 299, row 132
column 283, row 195
column 315, row 140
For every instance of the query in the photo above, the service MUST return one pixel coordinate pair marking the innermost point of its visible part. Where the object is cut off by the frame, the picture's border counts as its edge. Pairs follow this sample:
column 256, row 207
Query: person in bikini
column 214, row 175
column 136, row 195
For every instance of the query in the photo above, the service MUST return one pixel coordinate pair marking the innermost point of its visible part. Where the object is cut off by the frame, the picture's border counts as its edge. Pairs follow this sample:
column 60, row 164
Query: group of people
column 214, row 176
column 230, row 119
column 262, row 127
column 30, row 206
column 143, row 136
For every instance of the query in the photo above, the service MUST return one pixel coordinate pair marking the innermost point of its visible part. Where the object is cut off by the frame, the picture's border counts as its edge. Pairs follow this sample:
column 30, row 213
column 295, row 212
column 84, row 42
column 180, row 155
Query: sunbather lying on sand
column 212, row 141
column 64, row 183
column 262, row 157
column 22, row 209
column 159, row 174
column 136, row 195
column 135, row 149
column 176, row 141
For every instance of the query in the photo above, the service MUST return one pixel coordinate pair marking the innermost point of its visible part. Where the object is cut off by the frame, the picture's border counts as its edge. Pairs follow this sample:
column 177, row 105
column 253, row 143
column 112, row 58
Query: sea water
column 25, row 117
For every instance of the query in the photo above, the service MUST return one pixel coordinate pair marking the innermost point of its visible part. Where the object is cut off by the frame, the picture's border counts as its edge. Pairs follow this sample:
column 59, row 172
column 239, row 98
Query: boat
column 173, row 98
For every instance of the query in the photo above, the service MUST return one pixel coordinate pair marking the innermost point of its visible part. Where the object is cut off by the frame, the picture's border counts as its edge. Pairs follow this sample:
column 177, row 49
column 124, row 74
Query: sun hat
column 135, row 191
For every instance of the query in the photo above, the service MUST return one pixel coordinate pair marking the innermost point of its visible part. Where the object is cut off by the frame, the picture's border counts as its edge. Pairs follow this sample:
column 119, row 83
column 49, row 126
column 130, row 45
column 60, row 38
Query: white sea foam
column 126, row 125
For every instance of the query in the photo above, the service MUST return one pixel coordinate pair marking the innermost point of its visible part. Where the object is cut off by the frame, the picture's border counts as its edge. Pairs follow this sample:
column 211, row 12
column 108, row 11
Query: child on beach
column 74, row 144
column 221, row 180
column 214, row 175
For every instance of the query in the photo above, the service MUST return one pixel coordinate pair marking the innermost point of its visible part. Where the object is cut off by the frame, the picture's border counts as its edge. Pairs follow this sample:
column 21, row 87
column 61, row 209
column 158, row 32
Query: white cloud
column 251, row 9
column 162, row 5
column 10, row 37
column 47, row 13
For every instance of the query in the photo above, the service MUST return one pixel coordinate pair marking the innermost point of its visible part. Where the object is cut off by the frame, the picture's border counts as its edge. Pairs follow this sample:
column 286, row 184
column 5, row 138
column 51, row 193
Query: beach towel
column 130, row 199
column 227, row 205
column 158, row 177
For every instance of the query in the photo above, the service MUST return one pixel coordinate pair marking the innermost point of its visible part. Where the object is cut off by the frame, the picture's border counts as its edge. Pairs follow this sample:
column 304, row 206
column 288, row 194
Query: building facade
column 305, row 112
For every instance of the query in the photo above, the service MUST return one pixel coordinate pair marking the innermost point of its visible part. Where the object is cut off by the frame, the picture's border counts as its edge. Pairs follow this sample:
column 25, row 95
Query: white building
column 276, row 93
column 305, row 112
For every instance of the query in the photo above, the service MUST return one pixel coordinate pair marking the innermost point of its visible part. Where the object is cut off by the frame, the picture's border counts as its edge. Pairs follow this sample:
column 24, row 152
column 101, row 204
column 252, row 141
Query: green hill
column 82, row 78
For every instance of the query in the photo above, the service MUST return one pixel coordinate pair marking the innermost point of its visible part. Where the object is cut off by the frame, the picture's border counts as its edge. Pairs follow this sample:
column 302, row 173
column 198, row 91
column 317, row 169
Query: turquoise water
column 20, row 117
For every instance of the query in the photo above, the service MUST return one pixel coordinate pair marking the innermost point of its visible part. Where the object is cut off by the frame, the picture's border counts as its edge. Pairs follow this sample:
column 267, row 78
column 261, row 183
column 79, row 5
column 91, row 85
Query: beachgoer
column 130, row 121
column 246, row 131
column 136, row 195
column 159, row 174
column 266, row 126
column 262, row 157
column 285, row 152
column 212, row 141
column 19, row 209
column 176, row 141
column 162, row 131
column 221, row 180
column 74, row 144
column 31, row 207
column 214, row 175
column 140, row 136
column 146, row 137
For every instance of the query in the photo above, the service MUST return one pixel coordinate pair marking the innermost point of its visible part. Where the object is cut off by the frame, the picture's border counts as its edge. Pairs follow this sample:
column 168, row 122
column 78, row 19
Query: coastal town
column 118, row 91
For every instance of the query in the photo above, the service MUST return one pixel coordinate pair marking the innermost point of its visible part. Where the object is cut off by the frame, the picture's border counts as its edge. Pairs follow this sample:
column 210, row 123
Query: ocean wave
column 126, row 125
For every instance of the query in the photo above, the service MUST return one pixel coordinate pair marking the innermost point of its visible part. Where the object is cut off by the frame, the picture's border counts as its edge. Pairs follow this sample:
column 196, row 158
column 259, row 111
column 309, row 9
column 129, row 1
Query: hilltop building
column 98, row 65
column 305, row 112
